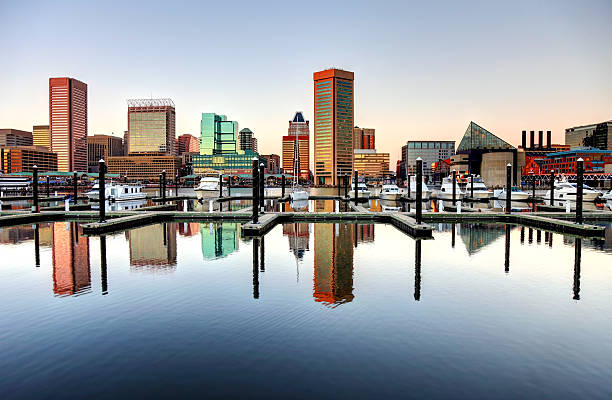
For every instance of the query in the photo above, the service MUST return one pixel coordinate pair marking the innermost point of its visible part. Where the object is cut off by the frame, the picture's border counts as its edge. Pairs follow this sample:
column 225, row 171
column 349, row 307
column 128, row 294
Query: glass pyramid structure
column 478, row 138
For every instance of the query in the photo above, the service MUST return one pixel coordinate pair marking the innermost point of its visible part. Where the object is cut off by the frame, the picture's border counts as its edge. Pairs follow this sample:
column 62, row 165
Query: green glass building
column 217, row 135
column 219, row 239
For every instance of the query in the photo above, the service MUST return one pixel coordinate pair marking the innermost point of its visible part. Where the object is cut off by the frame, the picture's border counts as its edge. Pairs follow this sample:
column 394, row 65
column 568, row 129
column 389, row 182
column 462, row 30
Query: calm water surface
column 312, row 310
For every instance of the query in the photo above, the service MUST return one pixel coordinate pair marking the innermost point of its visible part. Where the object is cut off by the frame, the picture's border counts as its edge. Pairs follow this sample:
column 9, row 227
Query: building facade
column 245, row 139
column 299, row 131
column 144, row 167
column 23, row 158
column 334, row 120
column 188, row 144
column 102, row 147
column 565, row 162
column 68, row 123
column 218, row 135
column 254, row 144
column 272, row 163
column 430, row 151
column 363, row 138
column 151, row 126
column 598, row 136
column 237, row 163
column 15, row 137
column 41, row 136
column 370, row 164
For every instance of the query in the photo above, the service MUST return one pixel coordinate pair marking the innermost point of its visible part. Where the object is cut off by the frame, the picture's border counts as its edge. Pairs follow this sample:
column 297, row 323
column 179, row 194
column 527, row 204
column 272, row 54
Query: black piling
column 419, row 190
column 255, row 261
column 220, row 185
column 355, row 183
column 48, row 189
column 471, row 186
column 579, row 188
column 102, row 189
column 339, row 185
column 262, row 201
column 408, row 186
column 103, row 271
column 345, row 185
column 507, row 258
column 37, row 245
column 454, row 187
column 262, row 266
column 577, row 258
column 160, row 186
column 533, row 187
column 255, row 192
column 417, row 270
column 509, row 188
column 283, row 182
column 35, row 189
column 75, row 187
column 164, row 187
column 229, row 186
column 453, row 237
column 552, row 187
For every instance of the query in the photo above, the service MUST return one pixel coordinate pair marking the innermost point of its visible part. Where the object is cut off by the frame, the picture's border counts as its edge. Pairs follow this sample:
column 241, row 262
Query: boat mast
column 296, row 161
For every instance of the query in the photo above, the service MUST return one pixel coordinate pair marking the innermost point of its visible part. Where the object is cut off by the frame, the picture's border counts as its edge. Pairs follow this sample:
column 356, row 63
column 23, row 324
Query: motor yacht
column 446, row 190
column 362, row 190
column 390, row 192
column 390, row 206
column 209, row 186
column 117, row 191
column 480, row 189
column 607, row 196
column 425, row 192
column 516, row 194
column 565, row 190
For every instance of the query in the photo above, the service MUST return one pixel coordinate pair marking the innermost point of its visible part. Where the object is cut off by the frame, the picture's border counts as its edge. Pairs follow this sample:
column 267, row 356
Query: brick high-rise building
column 151, row 126
column 68, row 123
column 102, row 146
column 188, row 144
column 334, row 120
column 297, row 127
column 363, row 138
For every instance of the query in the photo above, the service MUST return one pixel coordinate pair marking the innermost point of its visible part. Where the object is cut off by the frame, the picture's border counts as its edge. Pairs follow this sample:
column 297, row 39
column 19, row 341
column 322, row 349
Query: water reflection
column 577, row 258
column 153, row 247
column 417, row 270
column 333, row 263
column 70, row 255
column 219, row 239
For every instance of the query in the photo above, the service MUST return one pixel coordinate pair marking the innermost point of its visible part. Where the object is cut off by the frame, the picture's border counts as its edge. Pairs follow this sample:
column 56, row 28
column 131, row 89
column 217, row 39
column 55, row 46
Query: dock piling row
column 508, row 188
column 35, row 189
column 419, row 190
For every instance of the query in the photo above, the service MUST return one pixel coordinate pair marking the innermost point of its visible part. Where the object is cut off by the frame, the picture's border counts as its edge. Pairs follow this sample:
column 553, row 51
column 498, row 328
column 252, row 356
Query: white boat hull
column 481, row 194
column 299, row 195
column 449, row 196
column 514, row 196
column 390, row 196
column 589, row 197
column 364, row 194
column 208, row 194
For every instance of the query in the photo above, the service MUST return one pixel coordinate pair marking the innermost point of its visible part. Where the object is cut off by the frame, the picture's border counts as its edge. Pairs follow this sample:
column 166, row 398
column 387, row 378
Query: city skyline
column 520, row 67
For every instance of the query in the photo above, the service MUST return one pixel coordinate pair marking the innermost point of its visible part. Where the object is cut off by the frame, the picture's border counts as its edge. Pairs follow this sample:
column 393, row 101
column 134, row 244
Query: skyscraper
column 68, row 123
column 363, row 138
column 41, row 136
column 102, row 146
column 188, row 144
column 217, row 135
column 151, row 126
column 245, row 139
column 333, row 133
column 301, row 128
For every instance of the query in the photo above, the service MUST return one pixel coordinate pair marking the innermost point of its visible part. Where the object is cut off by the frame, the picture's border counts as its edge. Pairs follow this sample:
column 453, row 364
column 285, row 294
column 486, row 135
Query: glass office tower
column 217, row 135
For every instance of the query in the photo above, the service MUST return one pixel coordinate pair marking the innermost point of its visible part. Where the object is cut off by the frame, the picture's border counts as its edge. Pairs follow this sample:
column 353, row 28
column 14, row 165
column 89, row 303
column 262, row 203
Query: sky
column 423, row 70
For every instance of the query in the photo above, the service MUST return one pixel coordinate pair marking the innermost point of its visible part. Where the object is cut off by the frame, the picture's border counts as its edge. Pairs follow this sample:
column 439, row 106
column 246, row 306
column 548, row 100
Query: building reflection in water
column 153, row 247
column 299, row 238
column 70, row 255
column 475, row 237
column 219, row 239
column 333, row 263
column 188, row 228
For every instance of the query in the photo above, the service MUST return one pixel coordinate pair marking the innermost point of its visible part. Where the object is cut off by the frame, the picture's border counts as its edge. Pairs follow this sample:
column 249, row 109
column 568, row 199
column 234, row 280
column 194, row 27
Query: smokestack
column 541, row 139
column 548, row 139
column 524, row 140
column 532, row 139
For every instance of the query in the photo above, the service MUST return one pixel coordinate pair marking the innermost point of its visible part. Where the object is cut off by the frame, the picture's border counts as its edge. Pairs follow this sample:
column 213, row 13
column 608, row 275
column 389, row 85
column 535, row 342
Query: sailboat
column 298, row 194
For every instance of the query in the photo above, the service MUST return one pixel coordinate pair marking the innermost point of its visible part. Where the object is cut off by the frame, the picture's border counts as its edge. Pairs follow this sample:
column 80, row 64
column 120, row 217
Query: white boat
column 607, row 196
column 425, row 192
column 299, row 195
column 480, row 189
column 209, row 186
column 117, row 192
column 390, row 192
column 446, row 190
column 390, row 206
column 565, row 190
column 362, row 191
column 517, row 194
column 299, row 205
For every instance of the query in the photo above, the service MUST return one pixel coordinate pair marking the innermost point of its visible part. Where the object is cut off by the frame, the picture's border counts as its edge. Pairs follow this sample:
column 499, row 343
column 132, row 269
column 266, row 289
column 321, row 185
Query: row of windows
column 431, row 145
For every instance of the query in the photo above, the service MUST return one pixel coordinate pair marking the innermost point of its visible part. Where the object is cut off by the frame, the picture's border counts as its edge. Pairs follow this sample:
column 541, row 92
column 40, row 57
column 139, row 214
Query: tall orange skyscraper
column 68, row 123
column 333, row 131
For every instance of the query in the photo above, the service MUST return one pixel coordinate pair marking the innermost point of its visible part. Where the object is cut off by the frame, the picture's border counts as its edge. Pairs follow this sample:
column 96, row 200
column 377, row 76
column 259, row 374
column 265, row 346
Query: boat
column 565, row 190
column 607, row 196
column 298, row 194
column 446, row 190
column 517, row 194
column 117, row 191
column 390, row 206
column 390, row 192
column 299, row 205
column 209, row 186
column 425, row 192
column 480, row 189
column 362, row 191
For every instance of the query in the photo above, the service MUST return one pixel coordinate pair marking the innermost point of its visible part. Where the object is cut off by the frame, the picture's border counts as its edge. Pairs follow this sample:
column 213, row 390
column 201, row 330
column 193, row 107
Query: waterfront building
column 187, row 163
column 430, row 151
column 102, row 147
column 15, row 137
column 598, row 135
column 299, row 127
column 535, row 155
column 144, row 167
column 218, row 135
column 188, row 144
column 153, row 247
column 565, row 162
column 219, row 239
column 363, row 138
column 254, row 144
column 333, row 263
column 271, row 162
column 245, row 139
column 370, row 164
column 334, row 121
column 151, row 126
column 23, row 158
column 70, row 257
column 68, row 123
column 237, row 163
column 41, row 136
column 126, row 143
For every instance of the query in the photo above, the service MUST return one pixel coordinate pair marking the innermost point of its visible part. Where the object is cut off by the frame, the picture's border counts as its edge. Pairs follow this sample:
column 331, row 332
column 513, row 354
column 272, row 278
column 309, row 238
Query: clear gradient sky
column 423, row 70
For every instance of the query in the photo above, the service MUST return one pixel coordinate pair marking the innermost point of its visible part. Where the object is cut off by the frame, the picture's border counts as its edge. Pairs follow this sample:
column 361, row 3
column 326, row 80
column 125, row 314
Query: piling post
column 220, row 185
column 37, row 245
column 552, row 187
column 419, row 190
column 533, row 184
column 255, row 190
column 507, row 255
column 355, row 182
column 339, row 186
column 255, row 262
column 472, row 186
column 579, row 188
column 345, row 185
column 408, row 185
column 160, row 185
column 102, row 189
column 283, row 186
column 577, row 259
column 103, row 268
column 35, row 189
column 417, row 270
column 454, row 187
column 164, row 186
column 508, row 188
column 229, row 186
column 75, row 187
column 48, row 192
column 262, row 200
